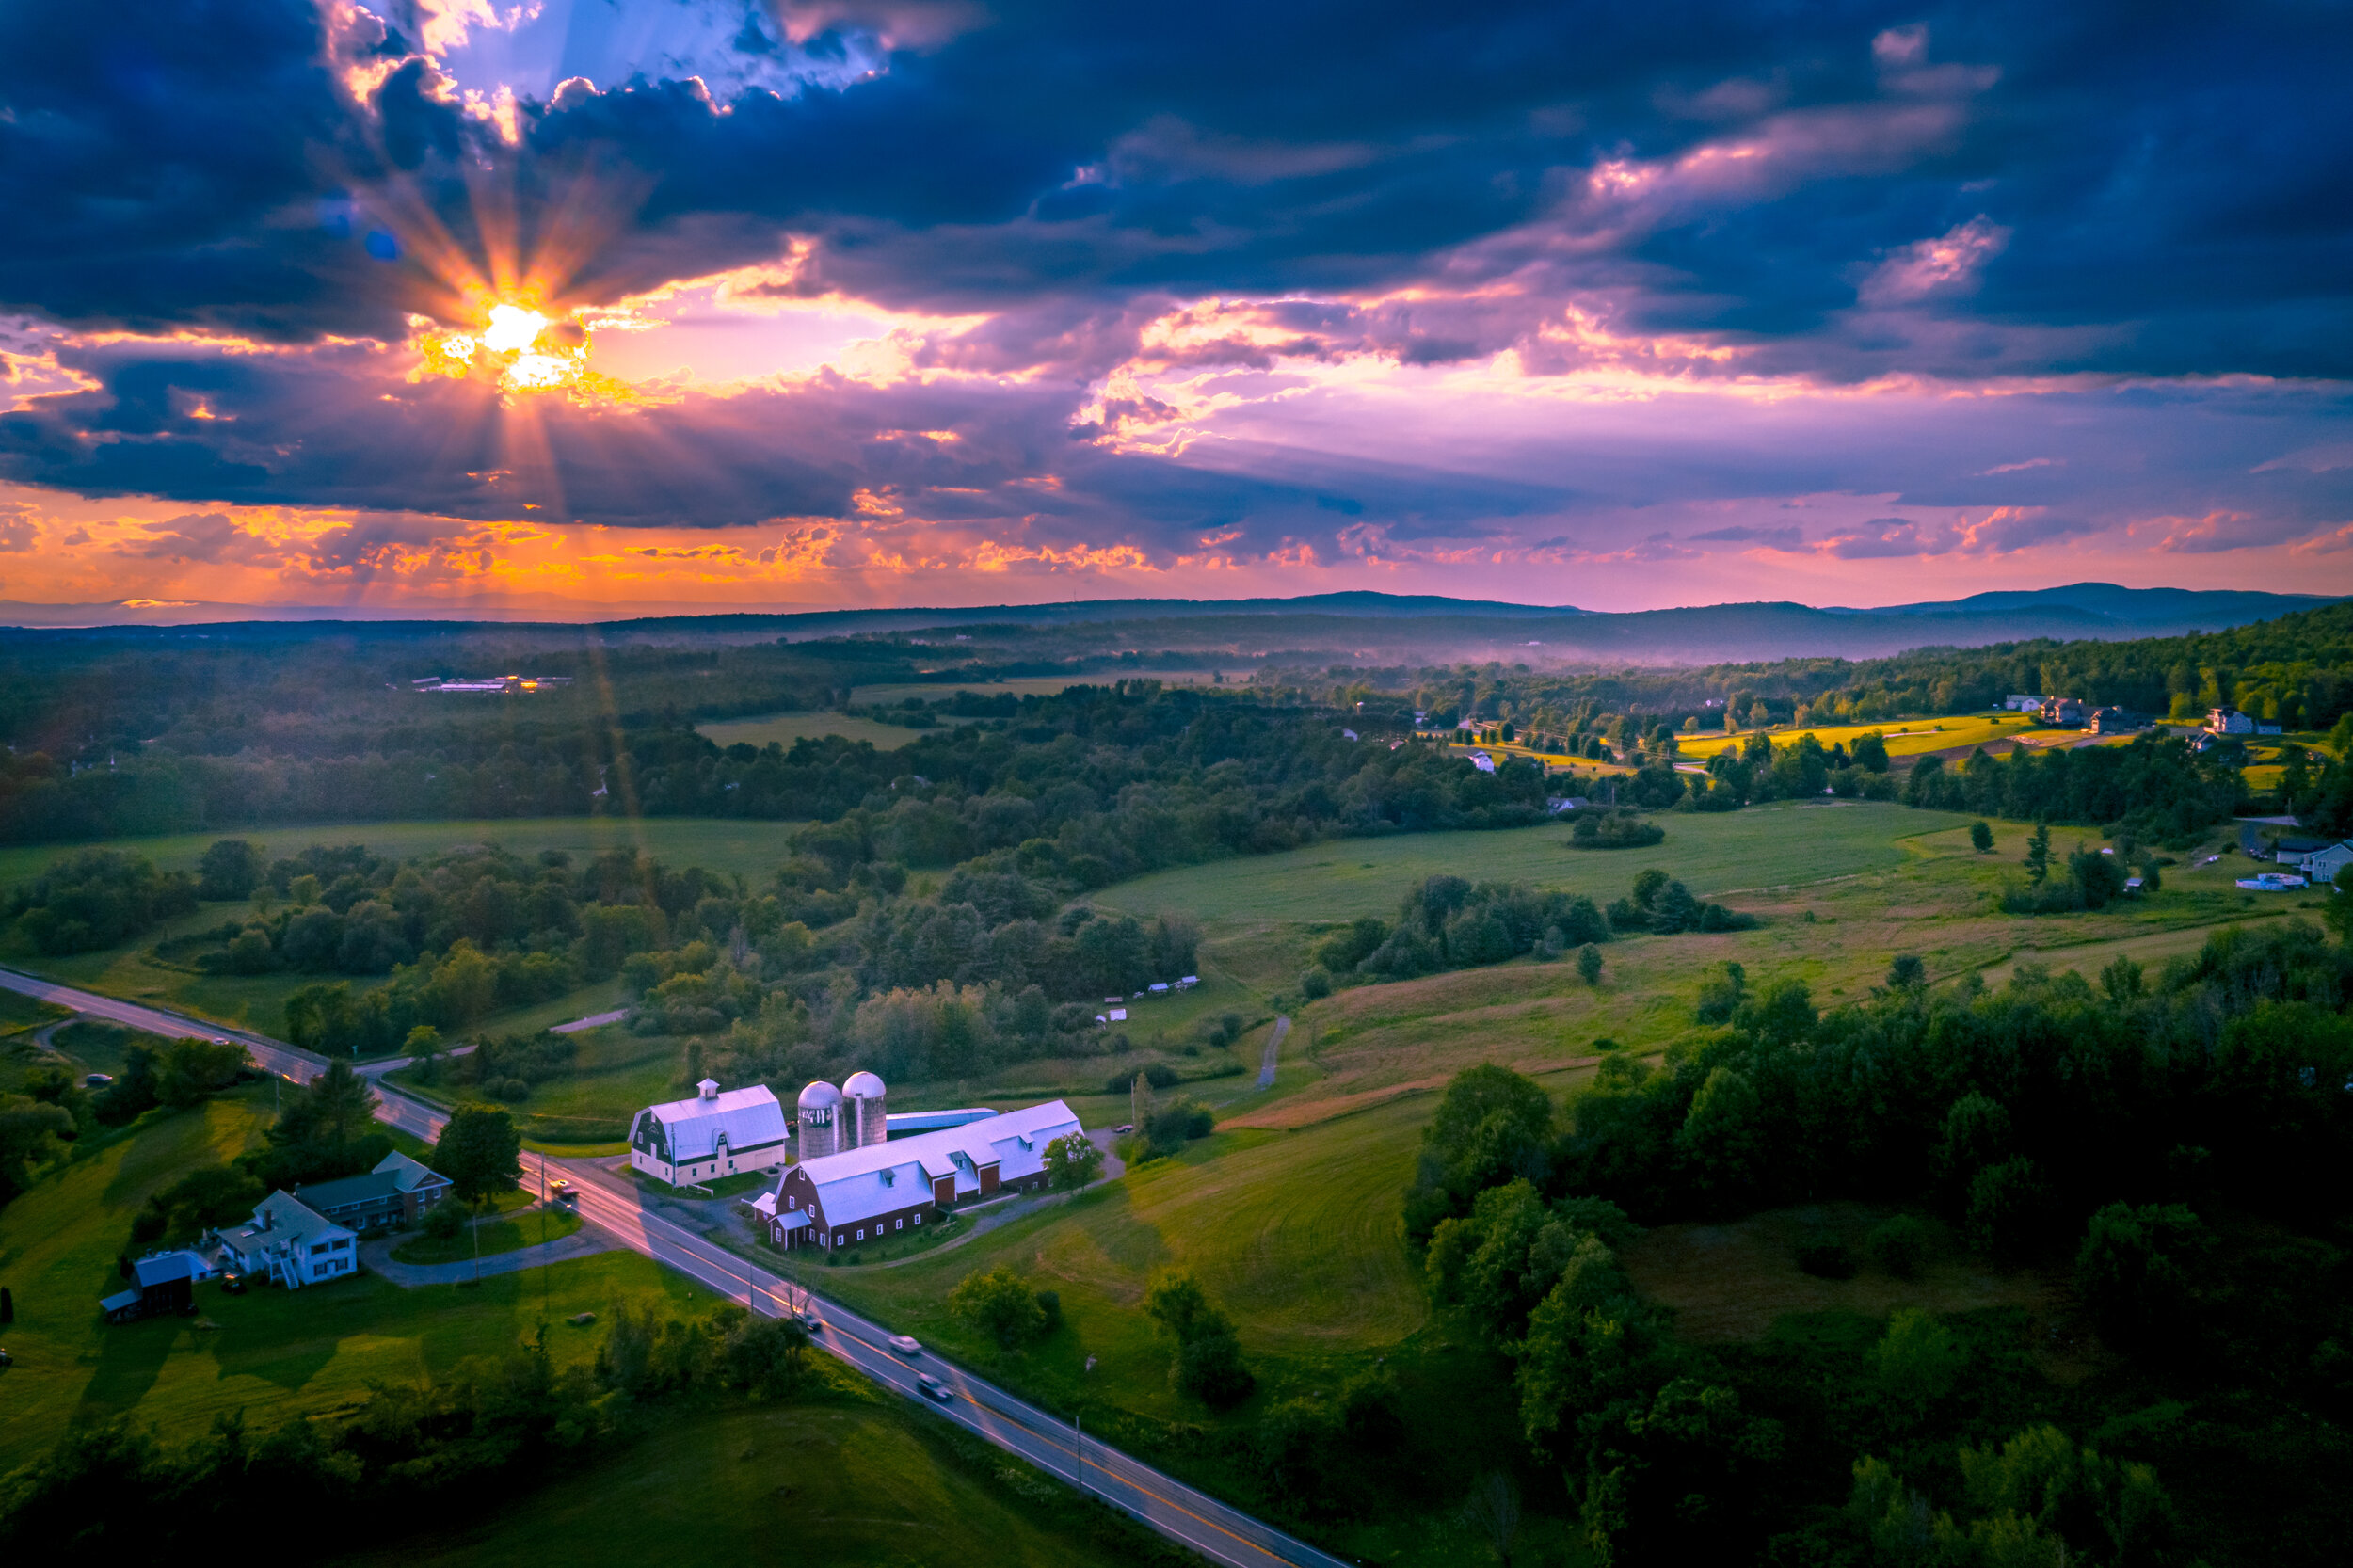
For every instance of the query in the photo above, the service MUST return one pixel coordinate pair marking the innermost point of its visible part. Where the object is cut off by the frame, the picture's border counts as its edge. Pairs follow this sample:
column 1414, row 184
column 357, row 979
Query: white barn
column 715, row 1134
column 841, row 1200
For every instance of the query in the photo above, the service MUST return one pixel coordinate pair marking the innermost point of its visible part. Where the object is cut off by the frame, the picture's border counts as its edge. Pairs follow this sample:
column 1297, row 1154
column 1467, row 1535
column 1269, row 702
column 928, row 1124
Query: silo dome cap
column 819, row 1095
column 865, row 1086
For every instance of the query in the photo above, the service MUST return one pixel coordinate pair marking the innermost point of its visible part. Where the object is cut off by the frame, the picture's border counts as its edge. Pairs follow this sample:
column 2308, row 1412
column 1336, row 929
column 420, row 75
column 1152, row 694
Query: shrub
column 443, row 1221
column 1826, row 1259
column 1314, row 981
column 1160, row 1074
column 1607, row 829
column 1897, row 1246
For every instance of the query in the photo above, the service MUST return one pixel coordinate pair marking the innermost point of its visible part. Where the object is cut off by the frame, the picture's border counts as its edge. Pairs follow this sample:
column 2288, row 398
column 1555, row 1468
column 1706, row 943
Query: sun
column 522, row 349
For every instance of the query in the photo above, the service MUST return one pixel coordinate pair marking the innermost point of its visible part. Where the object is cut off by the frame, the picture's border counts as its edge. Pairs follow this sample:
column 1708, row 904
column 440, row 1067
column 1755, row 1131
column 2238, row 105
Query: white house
column 2016, row 703
column 1483, row 762
column 715, row 1134
column 2228, row 721
column 2322, row 865
column 841, row 1200
column 285, row 1241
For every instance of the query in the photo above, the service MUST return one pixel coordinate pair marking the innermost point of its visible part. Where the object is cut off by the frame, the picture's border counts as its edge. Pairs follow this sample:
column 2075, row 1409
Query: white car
column 905, row 1344
column 935, row 1390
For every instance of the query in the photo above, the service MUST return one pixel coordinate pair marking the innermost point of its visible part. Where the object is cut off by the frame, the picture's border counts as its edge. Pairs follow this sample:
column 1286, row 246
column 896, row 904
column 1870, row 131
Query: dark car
column 935, row 1390
column 233, row 1284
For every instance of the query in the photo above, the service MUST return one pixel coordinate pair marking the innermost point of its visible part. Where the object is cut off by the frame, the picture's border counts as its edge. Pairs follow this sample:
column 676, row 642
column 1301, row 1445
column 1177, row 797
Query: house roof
column 749, row 1118
column 409, row 1173
column 161, row 1267
column 860, row 1183
column 292, row 1223
column 346, row 1190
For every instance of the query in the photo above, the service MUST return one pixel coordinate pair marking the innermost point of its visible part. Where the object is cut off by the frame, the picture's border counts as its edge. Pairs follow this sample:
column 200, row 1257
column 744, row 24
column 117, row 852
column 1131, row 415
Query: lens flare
column 512, row 329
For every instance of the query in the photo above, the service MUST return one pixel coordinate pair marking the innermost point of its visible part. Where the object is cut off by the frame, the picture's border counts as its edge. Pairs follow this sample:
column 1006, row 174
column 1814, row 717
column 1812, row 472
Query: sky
column 580, row 308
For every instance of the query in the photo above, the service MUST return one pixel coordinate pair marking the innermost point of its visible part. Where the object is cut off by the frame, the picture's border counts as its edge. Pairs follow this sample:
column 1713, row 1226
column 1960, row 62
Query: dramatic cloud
column 1649, row 302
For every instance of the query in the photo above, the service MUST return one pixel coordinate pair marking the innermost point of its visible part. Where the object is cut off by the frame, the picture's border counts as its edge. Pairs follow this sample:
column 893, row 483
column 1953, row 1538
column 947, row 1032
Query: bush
column 1000, row 1304
column 1827, row 1259
column 1898, row 1246
column 1049, row 1306
column 1160, row 1074
column 443, row 1221
column 1315, row 983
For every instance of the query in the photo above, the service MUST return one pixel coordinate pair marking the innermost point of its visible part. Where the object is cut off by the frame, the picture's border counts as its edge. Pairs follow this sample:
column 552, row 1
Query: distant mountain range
column 1360, row 625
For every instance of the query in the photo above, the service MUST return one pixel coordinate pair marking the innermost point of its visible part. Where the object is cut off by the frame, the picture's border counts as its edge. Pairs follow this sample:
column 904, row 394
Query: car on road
column 935, row 1390
column 561, row 1191
column 807, row 1319
column 905, row 1344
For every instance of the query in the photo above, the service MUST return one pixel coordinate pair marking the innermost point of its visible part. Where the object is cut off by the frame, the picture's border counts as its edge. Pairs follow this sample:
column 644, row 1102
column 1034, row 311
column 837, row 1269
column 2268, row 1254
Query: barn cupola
column 708, row 1088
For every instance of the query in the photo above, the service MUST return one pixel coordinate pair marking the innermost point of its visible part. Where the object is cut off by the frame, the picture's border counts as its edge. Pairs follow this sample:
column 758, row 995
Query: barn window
column 918, row 1219
column 862, row 1233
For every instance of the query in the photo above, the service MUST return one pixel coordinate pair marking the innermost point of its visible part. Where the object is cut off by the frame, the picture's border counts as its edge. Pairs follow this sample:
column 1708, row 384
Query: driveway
column 377, row 1256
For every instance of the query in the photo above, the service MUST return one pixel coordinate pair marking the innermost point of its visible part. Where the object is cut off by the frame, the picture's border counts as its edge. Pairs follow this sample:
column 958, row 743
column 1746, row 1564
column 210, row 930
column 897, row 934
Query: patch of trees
column 2157, row 788
column 1208, row 1365
column 1000, row 1304
column 1607, row 829
column 1661, row 905
column 97, row 898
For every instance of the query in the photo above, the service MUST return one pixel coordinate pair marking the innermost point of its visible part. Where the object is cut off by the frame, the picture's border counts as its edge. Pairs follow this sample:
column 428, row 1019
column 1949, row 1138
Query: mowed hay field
column 1296, row 1234
column 274, row 1353
column 719, row 844
column 863, row 1486
column 1714, row 854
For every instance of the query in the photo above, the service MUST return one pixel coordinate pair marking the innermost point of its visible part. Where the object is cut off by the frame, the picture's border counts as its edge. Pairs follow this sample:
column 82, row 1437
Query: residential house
column 2117, row 720
column 1483, row 762
column 2018, row 704
column 2322, row 865
column 2065, row 711
column 860, row 1194
column 161, row 1282
column 715, row 1134
column 2226, row 720
column 287, row 1243
column 394, row 1195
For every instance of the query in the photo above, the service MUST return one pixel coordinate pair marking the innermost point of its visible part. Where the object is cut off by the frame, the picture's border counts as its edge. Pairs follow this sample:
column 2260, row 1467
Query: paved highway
column 612, row 1204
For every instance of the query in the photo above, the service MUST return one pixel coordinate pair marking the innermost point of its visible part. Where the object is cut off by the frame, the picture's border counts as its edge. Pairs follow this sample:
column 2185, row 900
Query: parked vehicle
column 935, row 1390
column 905, row 1345
column 233, row 1284
column 1123, row 1128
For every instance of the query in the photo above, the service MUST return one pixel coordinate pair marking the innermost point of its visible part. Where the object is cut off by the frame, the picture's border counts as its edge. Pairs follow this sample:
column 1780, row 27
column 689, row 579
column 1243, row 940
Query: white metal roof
column 860, row 1183
column 749, row 1118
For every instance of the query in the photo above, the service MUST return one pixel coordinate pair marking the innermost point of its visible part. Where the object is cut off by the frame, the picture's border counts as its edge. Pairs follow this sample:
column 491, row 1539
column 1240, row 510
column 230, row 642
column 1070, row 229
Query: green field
column 271, row 1353
column 1296, row 1233
column 1770, row 846
column 616, row 1074
column 752, row 848
column 809, row 724
column 859, row 1486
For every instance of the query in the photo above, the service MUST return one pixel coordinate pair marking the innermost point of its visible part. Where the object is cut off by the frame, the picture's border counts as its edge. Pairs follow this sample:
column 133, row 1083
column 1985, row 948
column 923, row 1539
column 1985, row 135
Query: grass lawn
column 860, row 1484
column 753, row 848
column 274, row 1353
column 1764, row 846
column 497, row 1236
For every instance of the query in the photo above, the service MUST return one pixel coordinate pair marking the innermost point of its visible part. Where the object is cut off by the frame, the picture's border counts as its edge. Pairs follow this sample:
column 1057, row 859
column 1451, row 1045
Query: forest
column 2166, row 1142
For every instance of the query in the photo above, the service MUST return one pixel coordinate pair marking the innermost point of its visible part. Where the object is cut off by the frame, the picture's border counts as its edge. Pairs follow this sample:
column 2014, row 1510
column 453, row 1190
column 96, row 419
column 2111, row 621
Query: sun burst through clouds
column 521, row 349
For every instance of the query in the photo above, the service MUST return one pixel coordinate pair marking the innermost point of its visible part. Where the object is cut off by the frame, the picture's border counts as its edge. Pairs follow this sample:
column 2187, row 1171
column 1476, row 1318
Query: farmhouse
column 862, row 1194
column 287, row 1243
column 2063, row 711
column 712, row 1135
column 396, row 1193
column 2322, row 865
column 2228, row 721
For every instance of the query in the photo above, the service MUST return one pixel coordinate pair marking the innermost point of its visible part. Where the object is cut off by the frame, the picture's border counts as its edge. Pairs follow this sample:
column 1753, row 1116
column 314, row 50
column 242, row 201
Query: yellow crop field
column 1908, row 739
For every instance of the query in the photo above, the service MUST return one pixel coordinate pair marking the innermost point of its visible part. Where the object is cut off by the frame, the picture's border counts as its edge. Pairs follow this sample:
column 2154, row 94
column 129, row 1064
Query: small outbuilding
column 162, row 1283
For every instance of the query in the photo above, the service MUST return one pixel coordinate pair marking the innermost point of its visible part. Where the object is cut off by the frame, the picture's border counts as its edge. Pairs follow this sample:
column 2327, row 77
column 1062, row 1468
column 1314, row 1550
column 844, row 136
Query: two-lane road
column 612, row 1204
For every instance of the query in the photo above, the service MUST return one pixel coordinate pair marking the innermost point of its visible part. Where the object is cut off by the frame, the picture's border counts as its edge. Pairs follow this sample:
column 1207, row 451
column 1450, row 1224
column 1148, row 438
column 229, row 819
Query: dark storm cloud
column 2170, row 184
